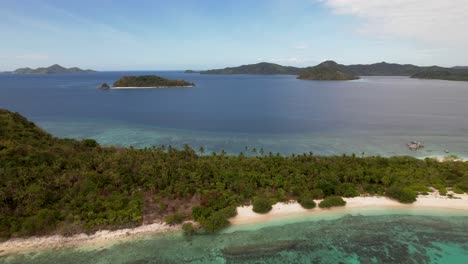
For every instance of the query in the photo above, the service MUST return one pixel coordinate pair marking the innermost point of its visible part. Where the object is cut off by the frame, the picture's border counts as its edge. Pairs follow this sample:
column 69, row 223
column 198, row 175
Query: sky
column 205, row 34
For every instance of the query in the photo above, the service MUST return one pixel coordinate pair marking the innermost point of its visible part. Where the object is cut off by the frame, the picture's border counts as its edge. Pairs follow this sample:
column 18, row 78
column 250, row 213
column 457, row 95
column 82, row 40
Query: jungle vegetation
column 66, row 186
column 149, row 81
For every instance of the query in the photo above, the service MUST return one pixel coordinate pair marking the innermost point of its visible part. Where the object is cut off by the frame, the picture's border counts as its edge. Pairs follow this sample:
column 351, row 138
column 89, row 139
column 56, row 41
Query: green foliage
column 63, row 185
column 403, row 195
column 188, row 229
column 306, row 201
column 347, row 190
column 261, row 205
column 91, row 143
column 317, row 194
column 458, row 191
column 175, row 219
column 332, row 201
column 149, row 81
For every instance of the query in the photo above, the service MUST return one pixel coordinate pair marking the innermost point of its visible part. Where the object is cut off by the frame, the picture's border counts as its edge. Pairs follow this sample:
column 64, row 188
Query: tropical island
column 149, row 81
column 259, row 68
column 330, row 70
column 54, row 69
column 191, row 71
column 66, row 186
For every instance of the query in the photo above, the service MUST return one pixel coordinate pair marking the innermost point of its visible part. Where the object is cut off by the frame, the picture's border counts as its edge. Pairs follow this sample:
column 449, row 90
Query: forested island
column 449, row 75
column 54, row 69
column 51, row 185
column 149, row 81
column 259, row 68
column 330, row 70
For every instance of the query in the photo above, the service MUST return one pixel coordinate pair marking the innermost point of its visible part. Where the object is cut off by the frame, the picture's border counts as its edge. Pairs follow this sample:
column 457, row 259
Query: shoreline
column 151, row 87
column 100, row 238
column 245, row 216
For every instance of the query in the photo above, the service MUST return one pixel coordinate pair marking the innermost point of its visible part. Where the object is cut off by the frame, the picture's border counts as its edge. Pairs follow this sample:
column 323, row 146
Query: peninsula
column 54, row 69
column 66, row 186
column 149, row 81
column 330, row 70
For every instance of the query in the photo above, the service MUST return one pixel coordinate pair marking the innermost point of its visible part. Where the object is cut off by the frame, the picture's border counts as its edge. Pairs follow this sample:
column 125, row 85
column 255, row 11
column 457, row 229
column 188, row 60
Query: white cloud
column 37, row 56
column 442, row 23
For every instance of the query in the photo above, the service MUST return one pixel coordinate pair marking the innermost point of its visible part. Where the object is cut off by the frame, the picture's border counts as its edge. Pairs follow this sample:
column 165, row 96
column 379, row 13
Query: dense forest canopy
column 66, row 186
column 149, row 81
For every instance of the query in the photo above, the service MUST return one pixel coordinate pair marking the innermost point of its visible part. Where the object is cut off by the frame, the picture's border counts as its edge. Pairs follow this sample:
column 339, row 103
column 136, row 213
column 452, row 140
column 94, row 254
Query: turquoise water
column 362, row 237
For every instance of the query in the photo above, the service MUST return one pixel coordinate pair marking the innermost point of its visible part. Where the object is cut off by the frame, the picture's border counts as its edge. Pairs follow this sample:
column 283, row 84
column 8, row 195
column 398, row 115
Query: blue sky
column 178, row 35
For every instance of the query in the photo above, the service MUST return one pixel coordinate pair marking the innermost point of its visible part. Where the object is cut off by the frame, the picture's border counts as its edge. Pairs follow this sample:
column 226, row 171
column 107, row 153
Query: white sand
column 97, row 239
column 245, row 215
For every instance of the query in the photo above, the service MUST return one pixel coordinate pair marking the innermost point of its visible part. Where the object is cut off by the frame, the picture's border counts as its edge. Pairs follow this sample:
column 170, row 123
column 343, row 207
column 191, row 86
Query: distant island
column 149, row 81
column 191, row 71
column 330, row 70
column 54, row 69
column 449, row 75
column 259, row 68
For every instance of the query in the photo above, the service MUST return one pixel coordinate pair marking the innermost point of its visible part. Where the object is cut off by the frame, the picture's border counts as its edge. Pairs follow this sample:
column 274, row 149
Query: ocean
column 371, row 116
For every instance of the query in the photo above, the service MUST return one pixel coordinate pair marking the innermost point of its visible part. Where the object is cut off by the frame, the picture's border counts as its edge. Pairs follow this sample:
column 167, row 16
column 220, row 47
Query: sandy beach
column 245, row 216
column 100, row 238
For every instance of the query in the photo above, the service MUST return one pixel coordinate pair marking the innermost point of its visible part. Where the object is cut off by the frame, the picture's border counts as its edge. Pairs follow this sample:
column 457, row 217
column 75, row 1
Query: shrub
column 347, row 190
column 91, row 143
column 458, row 191
column 401, row 194
column 174, row 219
column 332, row 201
column 216, row 221
column 261, row 205
column 307, row 201
column 188, row 229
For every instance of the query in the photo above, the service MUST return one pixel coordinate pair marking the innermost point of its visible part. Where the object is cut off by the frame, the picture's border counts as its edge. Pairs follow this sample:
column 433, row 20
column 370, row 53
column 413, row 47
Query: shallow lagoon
column 365, row 236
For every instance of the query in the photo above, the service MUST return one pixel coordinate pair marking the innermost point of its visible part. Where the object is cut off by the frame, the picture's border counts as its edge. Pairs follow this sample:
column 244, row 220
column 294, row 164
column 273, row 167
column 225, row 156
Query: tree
column 261, row 205
column 332, row 201
column 306, row 201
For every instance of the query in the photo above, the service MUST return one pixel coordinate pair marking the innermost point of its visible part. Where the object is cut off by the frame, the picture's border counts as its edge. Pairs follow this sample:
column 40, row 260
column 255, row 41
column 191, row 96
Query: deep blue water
column 375, row 115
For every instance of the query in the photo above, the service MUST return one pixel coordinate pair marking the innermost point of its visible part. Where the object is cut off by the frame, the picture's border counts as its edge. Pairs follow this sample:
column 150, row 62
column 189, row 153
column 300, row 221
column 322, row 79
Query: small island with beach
column 149, row 81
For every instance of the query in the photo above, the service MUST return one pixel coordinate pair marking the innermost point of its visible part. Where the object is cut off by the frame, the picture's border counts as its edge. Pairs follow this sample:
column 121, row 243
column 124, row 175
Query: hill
column 54, row 69
column 447, row 74
column 330, row 70
column 327, row 71
column 147, row 81
column 259, row 68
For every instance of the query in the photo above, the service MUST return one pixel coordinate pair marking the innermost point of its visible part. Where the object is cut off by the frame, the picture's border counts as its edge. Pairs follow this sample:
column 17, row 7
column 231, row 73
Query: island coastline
column 245, row 216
